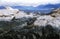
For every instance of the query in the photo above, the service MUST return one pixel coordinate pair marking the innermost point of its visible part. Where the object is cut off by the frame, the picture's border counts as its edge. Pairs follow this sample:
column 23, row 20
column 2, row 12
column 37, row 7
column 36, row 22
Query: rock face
column 52, row 19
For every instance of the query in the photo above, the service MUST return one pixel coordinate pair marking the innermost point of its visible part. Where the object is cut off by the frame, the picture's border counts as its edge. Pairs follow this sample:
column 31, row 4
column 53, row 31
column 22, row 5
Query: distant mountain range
column 42, row 8
column 2, row 7
column 48, row 6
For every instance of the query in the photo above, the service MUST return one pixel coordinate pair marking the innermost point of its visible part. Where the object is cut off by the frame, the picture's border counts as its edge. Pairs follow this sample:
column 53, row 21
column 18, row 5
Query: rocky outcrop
column 55, row 13
column 10, row 12
column 52, row 19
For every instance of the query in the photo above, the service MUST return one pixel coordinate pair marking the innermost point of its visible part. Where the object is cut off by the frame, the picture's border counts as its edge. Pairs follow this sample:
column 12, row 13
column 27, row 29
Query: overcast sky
column 29, row 2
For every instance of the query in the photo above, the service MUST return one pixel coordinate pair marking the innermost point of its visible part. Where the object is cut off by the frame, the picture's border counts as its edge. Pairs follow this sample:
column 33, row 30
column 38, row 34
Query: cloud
column 30, row 2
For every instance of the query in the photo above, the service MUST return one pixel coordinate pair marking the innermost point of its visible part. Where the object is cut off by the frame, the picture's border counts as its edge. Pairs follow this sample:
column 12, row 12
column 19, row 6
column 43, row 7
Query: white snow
column 45, row 20
column 6, row 18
